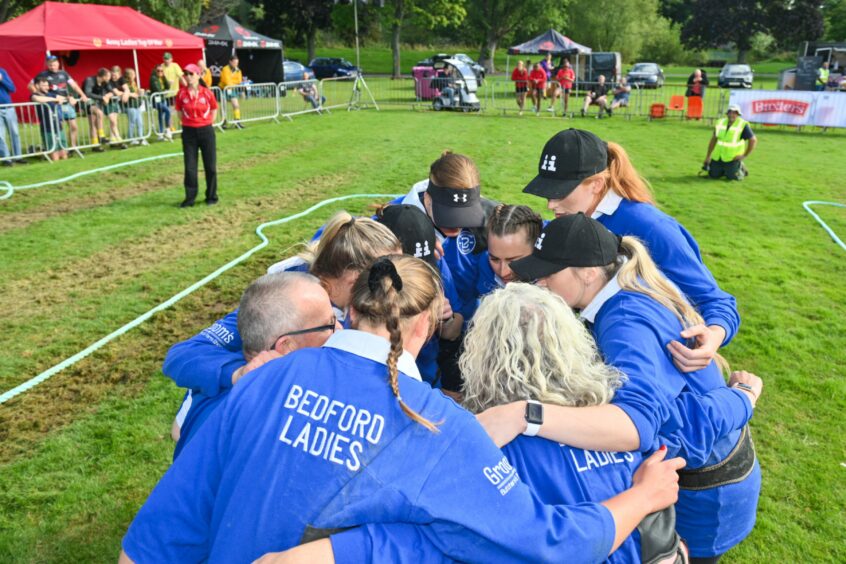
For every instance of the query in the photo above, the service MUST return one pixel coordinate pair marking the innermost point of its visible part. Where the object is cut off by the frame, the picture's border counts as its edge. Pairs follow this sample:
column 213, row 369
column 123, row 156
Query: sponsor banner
column 785, row 107
column 131, row 42
column 774, row 106
column 830, row 110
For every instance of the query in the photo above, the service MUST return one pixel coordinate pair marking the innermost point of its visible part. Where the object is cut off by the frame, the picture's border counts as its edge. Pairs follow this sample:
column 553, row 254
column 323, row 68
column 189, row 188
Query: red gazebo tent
column 87, row 37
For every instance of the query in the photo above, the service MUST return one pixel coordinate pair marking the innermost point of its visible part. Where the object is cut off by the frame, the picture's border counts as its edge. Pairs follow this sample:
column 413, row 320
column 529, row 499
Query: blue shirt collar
column 372, row 347
column 608, row 205
column 611, row 289
column 414, row 198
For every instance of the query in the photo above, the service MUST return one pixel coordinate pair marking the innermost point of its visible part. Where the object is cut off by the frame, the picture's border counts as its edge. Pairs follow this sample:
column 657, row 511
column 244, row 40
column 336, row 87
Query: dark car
column 331, row 67
column 646, row 75
column 295, row 71
column 736, row 76
column 478, row 69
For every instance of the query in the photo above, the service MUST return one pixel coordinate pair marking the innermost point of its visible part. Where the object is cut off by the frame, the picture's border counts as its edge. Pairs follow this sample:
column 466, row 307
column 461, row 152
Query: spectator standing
column 198, row 108
column 822, row 77
column 173, row 73
column 231, row 75
column 547, row 66
column 135, row 99
column 62, row 84
column 621, row 95
column 537, row 82
column 565, row 77
column 49, row 118
column 730, row 144
column 597, row 95
column 98, row 90
column 520, row 76
column 120, row 95
column 207, row 75
column 696, row 83
column 8, row 121
column 160, row 84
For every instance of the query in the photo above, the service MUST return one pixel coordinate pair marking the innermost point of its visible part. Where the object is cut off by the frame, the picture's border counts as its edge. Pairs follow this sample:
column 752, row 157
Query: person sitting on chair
column 731, row 143
column 597, row 95
column 309, row 92
column 621, row 95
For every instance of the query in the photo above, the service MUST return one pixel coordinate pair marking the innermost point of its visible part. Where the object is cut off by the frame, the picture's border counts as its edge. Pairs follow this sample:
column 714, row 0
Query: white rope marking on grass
column 807, row 205
column 32, row 382
column 11, row 189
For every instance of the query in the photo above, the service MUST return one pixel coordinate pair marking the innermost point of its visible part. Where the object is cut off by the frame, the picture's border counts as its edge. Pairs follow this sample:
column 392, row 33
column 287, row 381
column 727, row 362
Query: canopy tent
column 260, row 56
column 87, row 37
column 552, row 42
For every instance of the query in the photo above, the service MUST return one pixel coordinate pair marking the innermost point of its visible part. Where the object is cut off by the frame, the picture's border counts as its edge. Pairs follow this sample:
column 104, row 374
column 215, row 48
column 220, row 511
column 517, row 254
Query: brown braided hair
column 390, row 292
column 509, row 219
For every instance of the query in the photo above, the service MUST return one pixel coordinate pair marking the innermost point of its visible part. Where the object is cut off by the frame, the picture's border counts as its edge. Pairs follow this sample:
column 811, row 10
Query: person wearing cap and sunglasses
column 730, row 144
column 197, row 108
column 212, row 361
column 416, row 232
column 279, row 313
column 346, row 434
column 633, row 311
column 579, row 172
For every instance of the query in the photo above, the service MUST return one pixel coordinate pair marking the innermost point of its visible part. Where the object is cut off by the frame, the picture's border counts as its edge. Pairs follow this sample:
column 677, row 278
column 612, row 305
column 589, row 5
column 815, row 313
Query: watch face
column 534, row 413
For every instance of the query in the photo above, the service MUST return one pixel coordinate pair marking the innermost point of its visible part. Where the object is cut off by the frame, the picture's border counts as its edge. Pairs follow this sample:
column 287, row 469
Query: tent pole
column 507, row 60
column 137, row 70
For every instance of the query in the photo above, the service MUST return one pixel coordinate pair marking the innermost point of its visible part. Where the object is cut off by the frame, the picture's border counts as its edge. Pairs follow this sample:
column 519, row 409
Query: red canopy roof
column 54, row 26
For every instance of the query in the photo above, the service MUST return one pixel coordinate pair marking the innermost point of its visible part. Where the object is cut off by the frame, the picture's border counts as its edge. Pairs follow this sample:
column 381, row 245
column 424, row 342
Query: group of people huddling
column 545, row 80
column 457, row 379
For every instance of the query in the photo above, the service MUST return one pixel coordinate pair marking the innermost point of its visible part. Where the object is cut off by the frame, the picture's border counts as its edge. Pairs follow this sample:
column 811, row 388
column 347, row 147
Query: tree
column 178, row 13
column 299, row 20
column 834, row 12
column 713, row 23
column 493, row 20
column 213, row 9
column 427, row 14
column 613, row 25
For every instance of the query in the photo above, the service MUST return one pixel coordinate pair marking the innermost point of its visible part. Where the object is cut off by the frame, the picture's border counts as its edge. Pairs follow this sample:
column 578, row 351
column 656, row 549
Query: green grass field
column 80, row 453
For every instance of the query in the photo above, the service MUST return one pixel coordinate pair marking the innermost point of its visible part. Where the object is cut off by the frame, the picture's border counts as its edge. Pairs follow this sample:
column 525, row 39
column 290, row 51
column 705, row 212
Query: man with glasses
column 279, row 313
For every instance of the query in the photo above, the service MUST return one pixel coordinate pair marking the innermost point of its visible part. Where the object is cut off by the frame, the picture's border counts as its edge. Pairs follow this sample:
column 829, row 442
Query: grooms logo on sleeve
column 502, row 475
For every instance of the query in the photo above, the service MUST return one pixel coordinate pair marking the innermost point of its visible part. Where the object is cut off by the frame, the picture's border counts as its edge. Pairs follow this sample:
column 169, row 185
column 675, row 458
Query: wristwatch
column 534, row 417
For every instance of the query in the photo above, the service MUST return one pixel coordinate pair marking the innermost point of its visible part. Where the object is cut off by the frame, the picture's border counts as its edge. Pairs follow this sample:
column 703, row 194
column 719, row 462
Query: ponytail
column 622, row 177
column 637, row 272
column 391, row 291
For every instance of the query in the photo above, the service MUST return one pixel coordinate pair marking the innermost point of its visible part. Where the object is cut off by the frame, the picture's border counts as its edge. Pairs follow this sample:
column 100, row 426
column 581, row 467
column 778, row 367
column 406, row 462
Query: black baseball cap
column 413, row 228
column 570, row 240
column 456, row 207
column 567, row 159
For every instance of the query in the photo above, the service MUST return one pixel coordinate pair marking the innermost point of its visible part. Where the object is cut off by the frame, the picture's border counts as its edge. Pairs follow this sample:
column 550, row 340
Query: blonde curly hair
column 525, row 343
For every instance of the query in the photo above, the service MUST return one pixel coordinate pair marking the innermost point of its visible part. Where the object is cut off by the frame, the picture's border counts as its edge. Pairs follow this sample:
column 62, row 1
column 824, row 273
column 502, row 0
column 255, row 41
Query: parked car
column 734, row 76
column 332, row 67
column 478, row 69
column 296, row 71
column 646, row 75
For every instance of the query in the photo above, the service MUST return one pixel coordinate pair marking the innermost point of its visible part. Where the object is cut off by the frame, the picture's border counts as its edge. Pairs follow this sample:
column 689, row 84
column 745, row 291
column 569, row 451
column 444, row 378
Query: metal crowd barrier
column 220, row 119
column 384, row 90
column 257, row 102
column 25, row 133
column 163, row 116
column 300, row 97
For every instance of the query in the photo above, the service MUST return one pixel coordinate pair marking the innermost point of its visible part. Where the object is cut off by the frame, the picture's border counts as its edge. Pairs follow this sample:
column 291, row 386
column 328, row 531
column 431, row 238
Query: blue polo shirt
column 317, row 441
column 676, row 253
column 695, row 414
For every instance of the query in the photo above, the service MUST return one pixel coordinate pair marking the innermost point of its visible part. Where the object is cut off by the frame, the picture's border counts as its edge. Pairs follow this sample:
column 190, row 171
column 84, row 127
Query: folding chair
column 657, row 111
column 676, row 105
column 694, row 107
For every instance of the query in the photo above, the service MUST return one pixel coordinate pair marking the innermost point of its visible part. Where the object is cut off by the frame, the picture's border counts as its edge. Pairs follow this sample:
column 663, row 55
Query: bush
column 663, row 45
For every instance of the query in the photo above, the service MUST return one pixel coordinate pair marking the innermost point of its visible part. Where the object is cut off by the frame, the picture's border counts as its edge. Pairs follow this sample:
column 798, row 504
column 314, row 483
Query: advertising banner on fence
column 783, row 107
column 830, row 109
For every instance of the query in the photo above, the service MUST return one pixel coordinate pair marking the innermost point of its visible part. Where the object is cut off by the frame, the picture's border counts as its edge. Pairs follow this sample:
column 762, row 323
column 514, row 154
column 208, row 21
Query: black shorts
column 521, row 89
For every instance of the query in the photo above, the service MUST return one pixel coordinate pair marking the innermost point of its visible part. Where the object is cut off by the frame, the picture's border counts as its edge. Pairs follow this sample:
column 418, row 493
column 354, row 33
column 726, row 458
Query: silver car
column 736, row 76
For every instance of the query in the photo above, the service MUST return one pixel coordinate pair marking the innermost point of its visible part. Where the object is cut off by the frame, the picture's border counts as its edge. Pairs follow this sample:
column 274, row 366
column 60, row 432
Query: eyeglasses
column 329, row 327
column 190, row 74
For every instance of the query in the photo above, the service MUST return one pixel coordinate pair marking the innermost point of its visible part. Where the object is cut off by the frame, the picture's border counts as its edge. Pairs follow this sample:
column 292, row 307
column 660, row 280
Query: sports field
column 80, row 452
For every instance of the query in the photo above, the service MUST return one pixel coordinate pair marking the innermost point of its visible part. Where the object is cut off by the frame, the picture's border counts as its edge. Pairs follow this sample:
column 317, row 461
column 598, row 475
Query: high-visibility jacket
column 824, row 75
column 729, row 143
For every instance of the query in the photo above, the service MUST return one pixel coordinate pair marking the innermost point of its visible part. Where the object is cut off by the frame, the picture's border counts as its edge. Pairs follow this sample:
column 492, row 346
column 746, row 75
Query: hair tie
column 620, row 249
column 380, row 269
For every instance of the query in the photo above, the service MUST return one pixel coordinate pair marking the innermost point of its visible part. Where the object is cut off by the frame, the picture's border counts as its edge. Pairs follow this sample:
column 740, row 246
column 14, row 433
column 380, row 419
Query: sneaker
column 550, row 109
column 98, row 149
column 610, row 112
column 211, row 202
column 169, row 135
column 520, row 113
column 144, row 143
column 584, row 113
column 239, row 125
column 135, row 142
column 186, row 204
column 123, row 146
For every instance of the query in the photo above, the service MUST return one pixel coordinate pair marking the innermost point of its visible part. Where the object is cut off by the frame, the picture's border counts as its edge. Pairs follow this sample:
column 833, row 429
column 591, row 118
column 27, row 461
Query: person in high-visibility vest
column 822, row 76
column 230, row 75
column 731, row 143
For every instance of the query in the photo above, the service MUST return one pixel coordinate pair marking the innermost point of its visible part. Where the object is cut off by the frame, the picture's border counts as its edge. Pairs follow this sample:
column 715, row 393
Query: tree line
column 667, row 31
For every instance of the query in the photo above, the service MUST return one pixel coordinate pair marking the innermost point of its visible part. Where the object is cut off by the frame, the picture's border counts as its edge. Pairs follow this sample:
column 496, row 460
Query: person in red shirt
column 197, row 109
column 520, row 76
column 565, row 77
column 537, row 81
